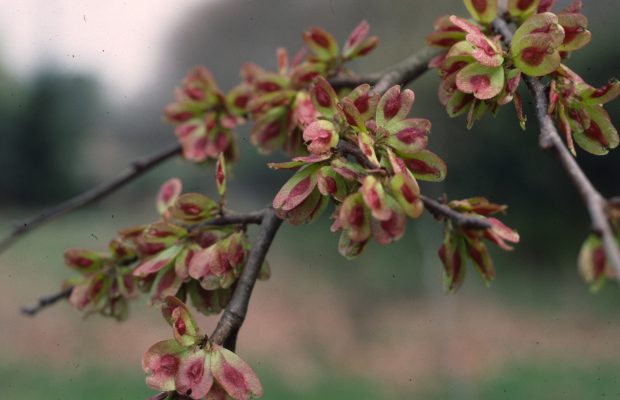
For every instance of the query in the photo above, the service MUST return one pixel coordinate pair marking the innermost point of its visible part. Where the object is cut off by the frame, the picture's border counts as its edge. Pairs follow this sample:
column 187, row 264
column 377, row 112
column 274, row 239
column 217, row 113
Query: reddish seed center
column 479, row 5
column 167, row 192
column 220, row 173
column 457, row 66
column 456, row 263
column 350, row 119
column 160, row 233
column 330, row 184
column 488, row 50
column 533, row 55
column 195, row 93
column 180, row 326
column 191, row 209
column 152, row 248
column 480, row 82
column 322, row 97
column 182, row 116
column 594, row 132
column 602, row 91
column 524, row 4
column 356, row 36
column 268, row 86
column 409, row 135
column 392, row 105
column 167, row 280
column 83, row 262
column 391, row 226
column 421, row 167
column 368, row 150
column 447, row 42
column 320, row 39
column 373, row 199
column 476, row 256
column 96, row 288
column 271, row 131
column 168, row 365
column 356, row 218
column 301, row 187
column 186, row 130
column 570, row 33
column 408, row 194
column 200, row 144
column 324, row 135
column 308, row 76
column 599, row 260
column 362, row 103
column 242, row 101
column 194, row 373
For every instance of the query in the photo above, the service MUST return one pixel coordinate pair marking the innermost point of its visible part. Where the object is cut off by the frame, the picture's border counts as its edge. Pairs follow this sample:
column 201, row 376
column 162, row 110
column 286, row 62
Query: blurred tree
column 43, row 126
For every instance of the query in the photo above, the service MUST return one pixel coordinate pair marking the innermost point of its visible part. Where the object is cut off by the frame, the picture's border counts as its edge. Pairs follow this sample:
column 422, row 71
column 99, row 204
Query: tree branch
column 47, row 301
column 254, row 217
column 233, row 316
column 400, row 74
column 440, row 210
column 136, row 169
column 550, row 139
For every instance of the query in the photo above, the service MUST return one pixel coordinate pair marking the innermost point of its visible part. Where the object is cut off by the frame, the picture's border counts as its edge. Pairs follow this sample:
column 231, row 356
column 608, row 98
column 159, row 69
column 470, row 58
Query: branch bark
column 254, row 217
column 550, row 139
column 136, row 169
column 47, row 301
column 234, row 315
column 402, row 73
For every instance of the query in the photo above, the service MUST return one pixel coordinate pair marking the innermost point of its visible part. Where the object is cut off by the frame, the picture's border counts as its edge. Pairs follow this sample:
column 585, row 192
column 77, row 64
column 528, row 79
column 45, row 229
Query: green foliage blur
column 44, row 122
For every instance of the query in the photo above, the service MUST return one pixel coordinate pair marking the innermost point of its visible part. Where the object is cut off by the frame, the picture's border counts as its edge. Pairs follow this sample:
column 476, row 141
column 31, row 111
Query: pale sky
column 118, row 41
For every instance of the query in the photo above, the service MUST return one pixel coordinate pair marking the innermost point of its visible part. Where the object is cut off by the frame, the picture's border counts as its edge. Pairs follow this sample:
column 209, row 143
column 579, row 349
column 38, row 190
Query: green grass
column 533, row 380
column 540, row 380
column 555, row 381
column 21, row 382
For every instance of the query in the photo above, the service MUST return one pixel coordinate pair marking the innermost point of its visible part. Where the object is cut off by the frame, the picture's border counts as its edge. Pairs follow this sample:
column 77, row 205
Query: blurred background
column 82, row 86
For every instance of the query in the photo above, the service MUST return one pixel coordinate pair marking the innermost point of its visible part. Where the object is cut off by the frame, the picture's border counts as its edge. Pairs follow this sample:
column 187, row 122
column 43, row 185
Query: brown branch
column 233, row 316
column 136, row 169
column 400, row 74
column 442, row 211
column 47, row 301
column 254, row 217
column 550, row 139
column 436, row 208
column 348, row 148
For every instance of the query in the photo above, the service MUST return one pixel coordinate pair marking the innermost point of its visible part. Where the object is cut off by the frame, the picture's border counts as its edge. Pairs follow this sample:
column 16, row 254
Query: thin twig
column 440, row 210
column 348, row 148
column 436, row 208
column 233, row 316
column 400, row 74
column 407, row 70
column 47, row 301
column 136, row 169
column 550, row 139
column 254, row 217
